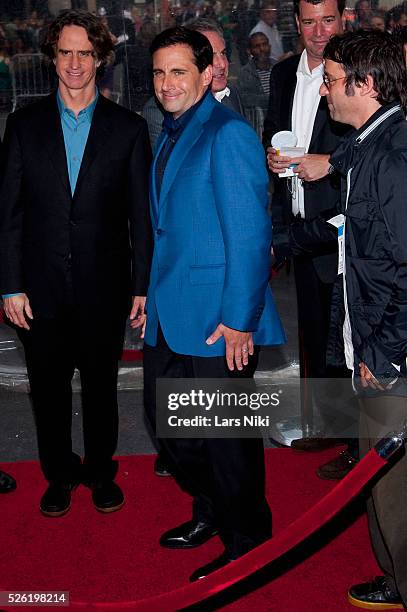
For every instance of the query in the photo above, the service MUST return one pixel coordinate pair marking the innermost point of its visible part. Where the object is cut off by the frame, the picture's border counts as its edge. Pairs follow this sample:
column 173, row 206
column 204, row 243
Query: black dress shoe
column 312, row 445
column 375, row 595
column 337, row 468
column 56, row 500
column 211, row 567
column 160, row 467
column 7, row 483
column 107, row 496
column 188, row 535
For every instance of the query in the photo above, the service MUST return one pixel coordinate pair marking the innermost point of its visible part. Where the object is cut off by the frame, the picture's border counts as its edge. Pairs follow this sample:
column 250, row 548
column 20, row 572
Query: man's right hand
column 277, row 163
column 17, row 308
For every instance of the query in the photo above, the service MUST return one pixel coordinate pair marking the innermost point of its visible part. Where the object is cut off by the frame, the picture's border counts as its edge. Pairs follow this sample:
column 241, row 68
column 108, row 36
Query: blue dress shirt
column 76, row 132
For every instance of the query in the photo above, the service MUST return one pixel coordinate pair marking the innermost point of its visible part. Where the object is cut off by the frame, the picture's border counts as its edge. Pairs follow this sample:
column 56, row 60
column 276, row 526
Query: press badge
column 339, row 223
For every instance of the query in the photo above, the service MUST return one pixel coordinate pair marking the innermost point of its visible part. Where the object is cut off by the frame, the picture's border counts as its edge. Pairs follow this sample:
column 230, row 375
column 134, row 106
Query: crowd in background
column 133, row 28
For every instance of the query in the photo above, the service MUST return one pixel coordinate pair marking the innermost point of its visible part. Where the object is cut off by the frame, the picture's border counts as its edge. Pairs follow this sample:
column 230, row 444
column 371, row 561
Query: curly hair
column 97, row 33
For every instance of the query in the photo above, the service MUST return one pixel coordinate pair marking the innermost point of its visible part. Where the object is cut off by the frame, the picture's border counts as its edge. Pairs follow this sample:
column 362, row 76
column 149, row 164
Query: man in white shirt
column 295, row 104
column 268, row 26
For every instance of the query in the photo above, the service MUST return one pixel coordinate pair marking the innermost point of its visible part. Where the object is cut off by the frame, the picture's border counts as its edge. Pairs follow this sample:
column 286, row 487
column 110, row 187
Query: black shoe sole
column 109, row 510
column 59, row 512
column 7, row 490
column 181, row 546
column 55, row 514
column 163, row 474
column 374, row 606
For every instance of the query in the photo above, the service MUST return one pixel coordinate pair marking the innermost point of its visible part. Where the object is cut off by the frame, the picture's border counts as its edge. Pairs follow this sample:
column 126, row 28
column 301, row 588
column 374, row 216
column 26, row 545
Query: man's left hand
column 368, row 380
column 239, row 345
column 138, row 317
column 311, row 167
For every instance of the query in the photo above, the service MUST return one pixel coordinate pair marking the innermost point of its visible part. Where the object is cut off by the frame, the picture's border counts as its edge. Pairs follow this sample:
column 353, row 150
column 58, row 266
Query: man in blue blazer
column 208, row 302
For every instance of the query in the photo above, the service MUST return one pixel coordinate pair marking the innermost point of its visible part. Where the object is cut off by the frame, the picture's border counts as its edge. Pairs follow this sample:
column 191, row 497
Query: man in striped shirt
column 254, row 78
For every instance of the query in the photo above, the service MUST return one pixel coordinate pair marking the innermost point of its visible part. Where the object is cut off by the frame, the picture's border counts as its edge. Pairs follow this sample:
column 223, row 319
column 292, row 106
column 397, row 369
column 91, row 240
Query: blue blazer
column 212, row 237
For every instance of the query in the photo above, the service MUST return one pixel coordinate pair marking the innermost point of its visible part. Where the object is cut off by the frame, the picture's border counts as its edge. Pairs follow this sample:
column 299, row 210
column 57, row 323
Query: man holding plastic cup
column 296, row 109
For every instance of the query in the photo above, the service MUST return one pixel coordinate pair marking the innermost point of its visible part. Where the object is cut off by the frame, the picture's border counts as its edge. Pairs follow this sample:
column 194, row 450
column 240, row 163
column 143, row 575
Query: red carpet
column 117, row 557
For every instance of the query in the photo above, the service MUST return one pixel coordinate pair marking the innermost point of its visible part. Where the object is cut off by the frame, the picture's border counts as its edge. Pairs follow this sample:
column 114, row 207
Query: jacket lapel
column 320, row 121
column 53, row 138
column 188, row 138
column 287, row 96
column 97, row 139
column 153, row 185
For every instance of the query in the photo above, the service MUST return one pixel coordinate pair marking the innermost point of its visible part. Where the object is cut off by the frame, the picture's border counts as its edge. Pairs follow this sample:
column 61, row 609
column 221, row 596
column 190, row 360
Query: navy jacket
column 373, row 161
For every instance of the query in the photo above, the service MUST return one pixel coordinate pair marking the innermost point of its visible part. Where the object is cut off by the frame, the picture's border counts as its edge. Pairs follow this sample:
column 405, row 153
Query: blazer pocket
column 207, row 275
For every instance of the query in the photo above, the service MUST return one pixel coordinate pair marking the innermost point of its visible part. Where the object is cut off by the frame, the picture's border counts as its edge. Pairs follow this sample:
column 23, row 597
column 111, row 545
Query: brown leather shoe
column 337, row 468
column 312, row 445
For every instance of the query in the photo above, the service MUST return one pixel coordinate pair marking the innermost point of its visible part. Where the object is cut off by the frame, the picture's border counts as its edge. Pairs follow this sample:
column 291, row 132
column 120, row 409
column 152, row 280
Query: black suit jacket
column 319, row 196
column 234, row 101
column 102, row 233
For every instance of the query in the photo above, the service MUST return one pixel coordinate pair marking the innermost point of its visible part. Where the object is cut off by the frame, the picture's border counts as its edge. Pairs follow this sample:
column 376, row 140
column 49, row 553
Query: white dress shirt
column 305, row 106
column 219, row 95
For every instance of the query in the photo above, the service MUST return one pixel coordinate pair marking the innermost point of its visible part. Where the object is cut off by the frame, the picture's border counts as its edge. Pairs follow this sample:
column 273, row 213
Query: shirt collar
column 303, row 67
column 87, row 112
column 174, row 127
column 343, row 157
column 219, row 95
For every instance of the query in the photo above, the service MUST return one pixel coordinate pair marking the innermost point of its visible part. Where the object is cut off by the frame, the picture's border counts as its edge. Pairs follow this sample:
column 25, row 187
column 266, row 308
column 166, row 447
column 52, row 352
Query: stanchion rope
column 299, row 530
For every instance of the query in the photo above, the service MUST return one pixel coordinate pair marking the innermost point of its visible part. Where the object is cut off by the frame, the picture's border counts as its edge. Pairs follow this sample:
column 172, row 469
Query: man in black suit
column 223, row 91
column 295, row 105
column 75, row 245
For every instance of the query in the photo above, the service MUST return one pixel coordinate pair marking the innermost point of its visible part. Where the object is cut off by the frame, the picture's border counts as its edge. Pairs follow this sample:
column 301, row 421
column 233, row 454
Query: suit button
column 73, row 224
column 158, row 232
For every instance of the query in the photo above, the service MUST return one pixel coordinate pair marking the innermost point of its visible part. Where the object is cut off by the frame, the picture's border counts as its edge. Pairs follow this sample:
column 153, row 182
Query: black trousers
column 53, row 349
column 314, row 311
column 386, row 507
column 224, row 476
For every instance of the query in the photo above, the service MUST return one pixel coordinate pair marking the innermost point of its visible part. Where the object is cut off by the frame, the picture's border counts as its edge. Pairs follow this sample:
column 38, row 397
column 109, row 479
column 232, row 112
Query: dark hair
column 198, row 43
column 204, row 24
column 377, row 13
column 399, row 11
column 257, row 34
column 340, row 3
column 358, row 4
column 97, row 33
column 268, row 4
column 400, row 36
column 376, row 54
